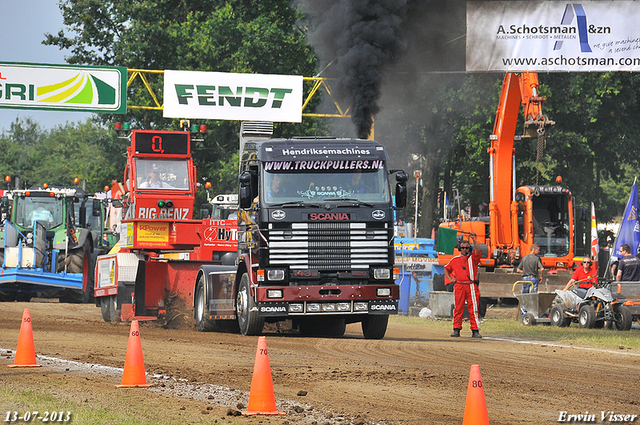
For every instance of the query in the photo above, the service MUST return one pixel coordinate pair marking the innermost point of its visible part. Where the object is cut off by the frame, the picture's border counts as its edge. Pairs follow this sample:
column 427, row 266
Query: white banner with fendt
column 543, row 36
column 227, row 96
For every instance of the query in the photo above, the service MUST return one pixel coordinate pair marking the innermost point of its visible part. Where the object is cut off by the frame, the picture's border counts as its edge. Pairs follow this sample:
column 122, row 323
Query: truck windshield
column 369, row 187
column 162, row 174
column 551, row 225
column 45, row 210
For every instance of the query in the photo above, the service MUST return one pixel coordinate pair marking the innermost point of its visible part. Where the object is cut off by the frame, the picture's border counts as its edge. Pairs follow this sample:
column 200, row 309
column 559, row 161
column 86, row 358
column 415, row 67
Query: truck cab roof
column 59, row 192
column 315, row 149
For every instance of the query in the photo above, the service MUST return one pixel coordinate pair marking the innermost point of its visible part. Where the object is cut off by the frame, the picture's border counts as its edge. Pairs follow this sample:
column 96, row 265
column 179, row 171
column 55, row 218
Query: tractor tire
column 375, row 326
column 203, row 323
column 5, row 295
column 528, row 319
column 79, row 261
column 109, row 308
column 587, row 316
column 558, row 318
column 246, row 310
column 623, row 317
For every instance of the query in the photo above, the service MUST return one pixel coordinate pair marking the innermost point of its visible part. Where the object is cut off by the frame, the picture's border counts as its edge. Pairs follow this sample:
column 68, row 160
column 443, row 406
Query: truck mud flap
column 271, row 309
column 383, row 307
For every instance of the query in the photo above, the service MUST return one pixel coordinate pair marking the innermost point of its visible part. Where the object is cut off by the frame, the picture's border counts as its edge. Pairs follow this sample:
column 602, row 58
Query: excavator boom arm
column 518, row 89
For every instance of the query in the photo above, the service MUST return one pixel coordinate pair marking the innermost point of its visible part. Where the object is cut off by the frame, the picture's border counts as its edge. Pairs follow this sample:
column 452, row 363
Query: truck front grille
column 329, row 246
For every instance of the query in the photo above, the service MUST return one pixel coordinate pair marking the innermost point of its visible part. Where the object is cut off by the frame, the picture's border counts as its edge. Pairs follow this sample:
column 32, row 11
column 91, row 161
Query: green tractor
column 49, row 241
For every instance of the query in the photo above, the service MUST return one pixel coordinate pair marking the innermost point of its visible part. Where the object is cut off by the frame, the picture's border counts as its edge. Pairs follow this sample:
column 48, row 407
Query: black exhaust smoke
column 359, row 38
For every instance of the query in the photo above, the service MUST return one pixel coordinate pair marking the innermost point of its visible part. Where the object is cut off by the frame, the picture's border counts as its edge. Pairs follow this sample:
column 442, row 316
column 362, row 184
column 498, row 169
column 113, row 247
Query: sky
column 23, row 24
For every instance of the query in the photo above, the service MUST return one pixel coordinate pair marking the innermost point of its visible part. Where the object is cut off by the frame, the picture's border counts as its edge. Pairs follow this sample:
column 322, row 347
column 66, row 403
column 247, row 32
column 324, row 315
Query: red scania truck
column 315, row 238
column 313, row 241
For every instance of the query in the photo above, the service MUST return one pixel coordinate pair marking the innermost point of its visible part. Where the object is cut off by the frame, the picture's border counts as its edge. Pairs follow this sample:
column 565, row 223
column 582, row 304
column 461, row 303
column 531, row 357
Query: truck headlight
column 274, row 293
column 313, row 308
column 383, row 292
column 295, row 308
column 275, row 274
column 329, row 307
column 361, row 306
column 381, row 274
column 344, row 306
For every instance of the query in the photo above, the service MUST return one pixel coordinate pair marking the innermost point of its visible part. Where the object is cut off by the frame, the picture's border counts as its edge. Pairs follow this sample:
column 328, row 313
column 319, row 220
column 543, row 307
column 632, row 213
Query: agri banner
column 226, row 96
column 63, row 87
column 544, row 36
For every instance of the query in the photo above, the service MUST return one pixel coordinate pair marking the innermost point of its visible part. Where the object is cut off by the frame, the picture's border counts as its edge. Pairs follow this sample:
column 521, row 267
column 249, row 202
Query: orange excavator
column 527, row 215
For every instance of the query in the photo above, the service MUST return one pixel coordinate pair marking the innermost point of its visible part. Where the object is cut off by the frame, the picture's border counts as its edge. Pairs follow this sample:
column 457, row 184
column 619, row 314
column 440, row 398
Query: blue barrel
column 405, row 292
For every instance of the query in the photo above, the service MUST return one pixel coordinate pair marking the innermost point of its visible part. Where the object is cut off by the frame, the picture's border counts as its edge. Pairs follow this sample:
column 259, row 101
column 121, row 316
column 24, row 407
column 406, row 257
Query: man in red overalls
column 462, row 270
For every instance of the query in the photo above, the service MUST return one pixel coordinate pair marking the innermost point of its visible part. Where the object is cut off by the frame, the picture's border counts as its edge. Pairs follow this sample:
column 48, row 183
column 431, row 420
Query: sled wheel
column 528, row 319
column 109, row 307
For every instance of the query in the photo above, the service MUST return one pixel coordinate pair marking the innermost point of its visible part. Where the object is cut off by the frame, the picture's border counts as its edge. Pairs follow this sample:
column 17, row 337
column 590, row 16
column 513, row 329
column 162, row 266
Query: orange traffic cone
column 475, row 411
column 262, row 401
column 25, row 352
column 134, row 374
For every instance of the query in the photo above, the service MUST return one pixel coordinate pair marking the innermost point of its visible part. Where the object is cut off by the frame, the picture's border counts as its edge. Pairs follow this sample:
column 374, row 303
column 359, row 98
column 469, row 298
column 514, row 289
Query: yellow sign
column 128, row 235
column 153, row 233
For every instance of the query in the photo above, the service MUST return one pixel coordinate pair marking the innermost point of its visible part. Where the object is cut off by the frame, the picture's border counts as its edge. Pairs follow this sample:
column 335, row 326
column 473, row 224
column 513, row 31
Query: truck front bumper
column 327, row 300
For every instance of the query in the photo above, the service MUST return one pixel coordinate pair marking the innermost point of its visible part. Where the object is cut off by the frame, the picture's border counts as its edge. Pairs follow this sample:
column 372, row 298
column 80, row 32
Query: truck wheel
column 202, row 321
column 557, row 316
column 109, row 307
column 623, row 317
column 246, row 310
column 375, row 326
column 587, row 316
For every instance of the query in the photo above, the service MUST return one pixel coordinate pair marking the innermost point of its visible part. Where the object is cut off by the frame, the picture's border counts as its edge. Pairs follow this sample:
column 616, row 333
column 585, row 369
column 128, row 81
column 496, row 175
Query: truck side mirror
column 244, row 194
column 206, row 210
column 96, row 208
column 401, row 189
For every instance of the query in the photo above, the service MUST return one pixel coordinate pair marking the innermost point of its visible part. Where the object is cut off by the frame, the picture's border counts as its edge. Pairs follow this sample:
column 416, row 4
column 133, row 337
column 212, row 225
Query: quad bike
column 591, row 308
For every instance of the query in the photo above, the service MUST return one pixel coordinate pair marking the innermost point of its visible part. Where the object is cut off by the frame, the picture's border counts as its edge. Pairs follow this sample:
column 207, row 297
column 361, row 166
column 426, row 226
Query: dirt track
column 414, row 375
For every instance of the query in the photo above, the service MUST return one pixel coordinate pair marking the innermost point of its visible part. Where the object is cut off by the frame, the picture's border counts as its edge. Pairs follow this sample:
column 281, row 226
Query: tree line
column 431, row 116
